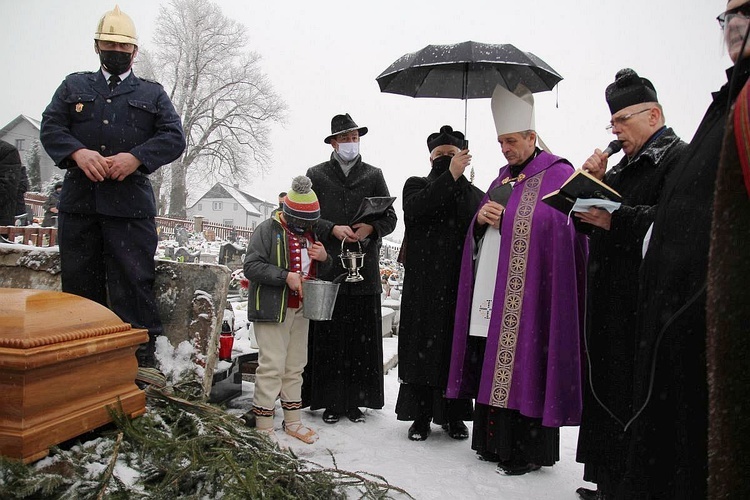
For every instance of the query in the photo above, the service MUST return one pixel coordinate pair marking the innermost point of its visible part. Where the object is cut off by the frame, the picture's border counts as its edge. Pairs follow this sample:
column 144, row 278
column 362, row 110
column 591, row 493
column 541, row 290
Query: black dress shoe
column 456, row 430
column 589, row 494
column 355, row 415
column 488, row 456
column 420, row 429
column 511, row 469
column 330, row 417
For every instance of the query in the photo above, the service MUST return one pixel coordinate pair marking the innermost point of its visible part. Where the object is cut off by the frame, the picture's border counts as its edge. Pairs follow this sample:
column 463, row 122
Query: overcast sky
column 322, row 58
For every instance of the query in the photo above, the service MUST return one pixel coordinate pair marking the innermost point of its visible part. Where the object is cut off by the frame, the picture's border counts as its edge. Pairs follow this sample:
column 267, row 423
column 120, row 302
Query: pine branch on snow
column 183, row 448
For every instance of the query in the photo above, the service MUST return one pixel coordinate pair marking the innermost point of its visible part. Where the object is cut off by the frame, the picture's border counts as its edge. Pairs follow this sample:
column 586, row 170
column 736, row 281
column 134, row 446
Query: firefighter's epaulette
column 149, row 80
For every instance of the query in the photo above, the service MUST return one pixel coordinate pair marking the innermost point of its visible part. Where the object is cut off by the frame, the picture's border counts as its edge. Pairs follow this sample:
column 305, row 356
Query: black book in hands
column 371, row 208
column 501, row 194
column 587, row 191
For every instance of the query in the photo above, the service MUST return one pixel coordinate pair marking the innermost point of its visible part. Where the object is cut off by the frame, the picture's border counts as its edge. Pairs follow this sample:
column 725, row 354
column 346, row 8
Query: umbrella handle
column 466, row 98
column 466, row 115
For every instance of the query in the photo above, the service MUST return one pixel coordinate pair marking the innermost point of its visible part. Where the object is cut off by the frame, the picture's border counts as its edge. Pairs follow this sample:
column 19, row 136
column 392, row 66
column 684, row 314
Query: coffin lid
column 36, row 318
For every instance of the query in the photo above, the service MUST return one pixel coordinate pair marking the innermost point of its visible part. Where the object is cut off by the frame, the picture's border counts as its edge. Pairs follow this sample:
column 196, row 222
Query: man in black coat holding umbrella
column 437, row 212
column 668, row 455
column 652, row 150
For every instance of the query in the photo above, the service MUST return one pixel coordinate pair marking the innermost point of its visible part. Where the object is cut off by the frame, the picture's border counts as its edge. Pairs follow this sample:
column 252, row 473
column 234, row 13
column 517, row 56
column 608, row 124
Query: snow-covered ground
column 437, row 468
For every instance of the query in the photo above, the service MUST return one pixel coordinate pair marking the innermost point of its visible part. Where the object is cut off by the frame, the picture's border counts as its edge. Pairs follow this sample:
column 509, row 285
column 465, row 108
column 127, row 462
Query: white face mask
column 348, row 150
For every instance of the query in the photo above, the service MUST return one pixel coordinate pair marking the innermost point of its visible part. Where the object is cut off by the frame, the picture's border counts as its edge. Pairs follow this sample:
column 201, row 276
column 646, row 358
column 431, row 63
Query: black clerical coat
column 668, row 455
column 437, row 214
column 614, row 260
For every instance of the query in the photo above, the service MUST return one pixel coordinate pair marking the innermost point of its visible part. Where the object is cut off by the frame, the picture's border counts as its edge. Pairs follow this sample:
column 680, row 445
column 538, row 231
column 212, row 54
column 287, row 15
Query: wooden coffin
column 64, row 360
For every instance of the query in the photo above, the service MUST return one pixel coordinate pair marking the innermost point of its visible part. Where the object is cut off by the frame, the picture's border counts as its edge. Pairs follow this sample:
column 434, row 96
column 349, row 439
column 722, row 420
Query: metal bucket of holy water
column 319, row 299
column 320, row 295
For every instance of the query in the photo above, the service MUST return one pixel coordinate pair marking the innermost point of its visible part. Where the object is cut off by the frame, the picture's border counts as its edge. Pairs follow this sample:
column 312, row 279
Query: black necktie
column 113, row 81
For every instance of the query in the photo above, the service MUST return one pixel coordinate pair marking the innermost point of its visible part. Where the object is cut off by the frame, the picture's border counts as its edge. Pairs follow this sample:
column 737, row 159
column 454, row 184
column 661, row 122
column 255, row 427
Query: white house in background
column 225, row 204
column 21, row 132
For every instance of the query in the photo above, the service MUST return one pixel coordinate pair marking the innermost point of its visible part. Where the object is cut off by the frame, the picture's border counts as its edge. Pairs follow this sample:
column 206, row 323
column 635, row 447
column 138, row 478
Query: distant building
column 227, row 205
column 22, row 132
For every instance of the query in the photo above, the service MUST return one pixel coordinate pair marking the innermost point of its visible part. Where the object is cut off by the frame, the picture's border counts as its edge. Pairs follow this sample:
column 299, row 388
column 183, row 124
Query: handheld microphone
column 612, row 148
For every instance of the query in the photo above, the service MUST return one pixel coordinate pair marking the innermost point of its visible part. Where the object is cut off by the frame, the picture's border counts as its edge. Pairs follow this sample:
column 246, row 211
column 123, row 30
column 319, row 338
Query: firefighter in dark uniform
column 109, row 130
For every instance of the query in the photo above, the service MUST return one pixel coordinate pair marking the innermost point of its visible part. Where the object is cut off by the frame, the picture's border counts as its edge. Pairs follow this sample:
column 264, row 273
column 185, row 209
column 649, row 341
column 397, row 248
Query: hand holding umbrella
column 459, row 163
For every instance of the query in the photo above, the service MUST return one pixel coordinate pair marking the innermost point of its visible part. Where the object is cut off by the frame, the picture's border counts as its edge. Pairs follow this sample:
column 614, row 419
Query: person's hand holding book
column 596, row 217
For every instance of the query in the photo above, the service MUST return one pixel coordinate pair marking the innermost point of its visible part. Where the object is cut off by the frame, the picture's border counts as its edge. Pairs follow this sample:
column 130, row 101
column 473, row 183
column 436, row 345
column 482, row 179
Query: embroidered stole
column 514, row 290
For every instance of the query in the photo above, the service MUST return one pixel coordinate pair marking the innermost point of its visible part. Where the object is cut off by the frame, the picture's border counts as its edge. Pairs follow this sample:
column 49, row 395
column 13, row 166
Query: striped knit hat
column 301, row 201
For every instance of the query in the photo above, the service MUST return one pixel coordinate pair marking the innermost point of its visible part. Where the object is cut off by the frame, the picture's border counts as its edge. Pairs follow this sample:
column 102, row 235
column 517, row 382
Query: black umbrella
column 467, row 70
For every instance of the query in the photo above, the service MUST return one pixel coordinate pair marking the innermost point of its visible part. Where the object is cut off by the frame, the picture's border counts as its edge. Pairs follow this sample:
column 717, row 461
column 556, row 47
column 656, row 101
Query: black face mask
column 115, row 62
column 442, row 162
column 297, row 226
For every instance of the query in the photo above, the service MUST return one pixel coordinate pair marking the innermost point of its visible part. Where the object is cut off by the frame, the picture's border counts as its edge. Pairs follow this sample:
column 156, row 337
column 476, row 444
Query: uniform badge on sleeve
column 79, row 107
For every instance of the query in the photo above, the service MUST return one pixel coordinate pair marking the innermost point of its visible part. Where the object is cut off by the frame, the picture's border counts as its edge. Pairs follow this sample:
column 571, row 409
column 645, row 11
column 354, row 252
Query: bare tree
column 146, row 68
column 224, row 99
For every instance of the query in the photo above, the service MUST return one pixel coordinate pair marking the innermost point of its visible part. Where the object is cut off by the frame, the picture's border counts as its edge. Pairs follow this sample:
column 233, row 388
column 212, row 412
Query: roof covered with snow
column 15, row 121
column 251, row 204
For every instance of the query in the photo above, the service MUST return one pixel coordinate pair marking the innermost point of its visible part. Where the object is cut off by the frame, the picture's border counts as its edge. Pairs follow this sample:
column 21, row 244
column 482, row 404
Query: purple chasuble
column 533, row 354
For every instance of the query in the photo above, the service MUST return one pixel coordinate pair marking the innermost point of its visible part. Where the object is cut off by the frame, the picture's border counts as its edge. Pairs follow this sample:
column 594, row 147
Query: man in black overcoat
column 344, row 371
column 437, row 212
column 668, row 455
column 652, row 150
